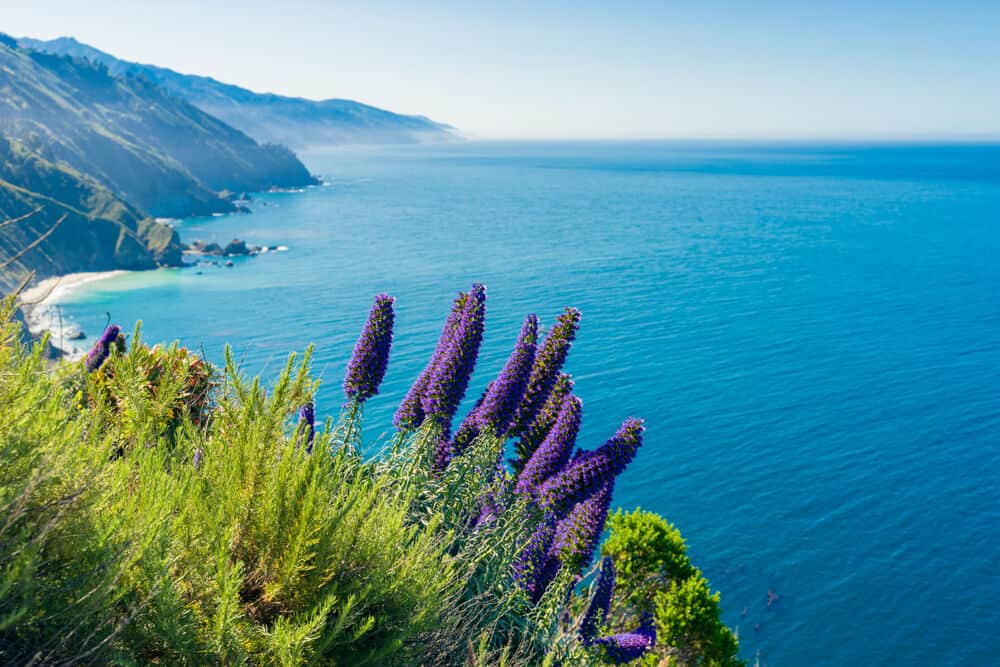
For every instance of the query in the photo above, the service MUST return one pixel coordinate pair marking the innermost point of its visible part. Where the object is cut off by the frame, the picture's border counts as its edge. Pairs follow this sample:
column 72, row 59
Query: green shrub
column 161, row 511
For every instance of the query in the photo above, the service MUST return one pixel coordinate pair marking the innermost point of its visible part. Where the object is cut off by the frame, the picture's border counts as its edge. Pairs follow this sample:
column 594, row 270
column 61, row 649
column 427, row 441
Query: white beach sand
column 39, row 304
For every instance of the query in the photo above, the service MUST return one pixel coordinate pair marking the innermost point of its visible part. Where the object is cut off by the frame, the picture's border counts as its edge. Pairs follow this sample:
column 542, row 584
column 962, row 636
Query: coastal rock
column 237, row 247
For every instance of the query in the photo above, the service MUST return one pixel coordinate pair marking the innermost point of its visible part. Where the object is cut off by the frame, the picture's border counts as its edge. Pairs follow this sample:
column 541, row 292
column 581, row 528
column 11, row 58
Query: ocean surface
column 812, row 333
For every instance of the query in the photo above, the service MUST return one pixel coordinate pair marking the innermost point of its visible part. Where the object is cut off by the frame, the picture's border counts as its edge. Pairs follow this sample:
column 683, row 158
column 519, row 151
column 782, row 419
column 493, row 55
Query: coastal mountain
column 149, row 148
column 292, row 121
column 55, row 220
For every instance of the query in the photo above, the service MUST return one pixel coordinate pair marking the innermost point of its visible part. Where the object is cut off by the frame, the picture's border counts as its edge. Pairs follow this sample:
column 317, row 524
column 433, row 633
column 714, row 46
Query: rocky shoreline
column 38, row 304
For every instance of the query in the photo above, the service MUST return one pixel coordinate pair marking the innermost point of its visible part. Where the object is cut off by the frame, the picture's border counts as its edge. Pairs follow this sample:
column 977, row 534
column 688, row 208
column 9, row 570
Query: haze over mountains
column 95, row 148
column 293, row 121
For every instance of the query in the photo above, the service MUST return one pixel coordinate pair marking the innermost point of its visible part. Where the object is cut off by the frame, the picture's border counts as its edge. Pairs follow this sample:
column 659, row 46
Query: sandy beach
column 39, row 305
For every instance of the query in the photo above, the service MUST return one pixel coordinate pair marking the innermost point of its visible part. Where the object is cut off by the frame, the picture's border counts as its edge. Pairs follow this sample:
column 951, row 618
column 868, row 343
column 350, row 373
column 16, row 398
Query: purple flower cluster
column 543, row 421
column 367, row 366
column 442, row 384
column 535, row 567
column 307, row 419
column 102, row 348
column 589, row 471
column 410, row 413
column 600, row 602
column 546, row 369
column 628, row 646
column 555, row 450
column 577, row 535
column 496, row 406
column 505, row 393
column 448, row 381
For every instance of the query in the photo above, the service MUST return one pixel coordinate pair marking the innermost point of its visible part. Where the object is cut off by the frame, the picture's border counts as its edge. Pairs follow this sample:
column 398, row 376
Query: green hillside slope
column 154, row 150
column 97, row 232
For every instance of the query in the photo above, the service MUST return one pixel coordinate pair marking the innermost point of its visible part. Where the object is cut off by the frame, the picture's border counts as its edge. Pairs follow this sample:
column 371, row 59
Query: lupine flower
column 535, row 568
column 410, row 413
column 197, row 458
column 577, row 535
column 546, row 417
column 554, row 452
column 545, row 371
column 307, row 418
column 450, row 378
column 628, row 646
column 102, row 348
column 588, row 472
column 600, row 601
column 505, row 393
column 371, row 353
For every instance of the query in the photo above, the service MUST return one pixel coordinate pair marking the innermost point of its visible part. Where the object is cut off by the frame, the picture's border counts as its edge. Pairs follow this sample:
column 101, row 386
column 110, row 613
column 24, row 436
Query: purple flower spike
column 410, row 414
column 450, row 378
column 589, row 471
column 600, row 602
column 307, row 417
column 505, row 393
column 540, row 426
column 578, row 534
column 197, row 458
column 545, row 372
column 371, row 353
column 555, row 450
column 535, row 568
column 102, row 348
column 628, row 646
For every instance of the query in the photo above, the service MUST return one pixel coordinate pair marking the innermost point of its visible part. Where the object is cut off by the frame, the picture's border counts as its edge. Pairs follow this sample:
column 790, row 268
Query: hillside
column 99, row 232
column 149, row 148
column 292, row 121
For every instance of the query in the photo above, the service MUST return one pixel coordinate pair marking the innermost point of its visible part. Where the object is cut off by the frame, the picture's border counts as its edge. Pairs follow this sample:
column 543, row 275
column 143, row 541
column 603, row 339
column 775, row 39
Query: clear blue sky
column 849, row 69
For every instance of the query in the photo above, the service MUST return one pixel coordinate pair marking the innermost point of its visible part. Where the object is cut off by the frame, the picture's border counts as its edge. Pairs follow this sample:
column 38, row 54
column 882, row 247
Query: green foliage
column 160, row 511
column 648, row 552
column 99, row 231
column 687, row 618
column 57, row 569
column 158, row 387
column 261, row 555
column 654, row 574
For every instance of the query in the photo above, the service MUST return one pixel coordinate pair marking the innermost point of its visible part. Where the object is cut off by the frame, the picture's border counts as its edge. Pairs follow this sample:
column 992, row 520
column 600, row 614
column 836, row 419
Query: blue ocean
column 812, row 333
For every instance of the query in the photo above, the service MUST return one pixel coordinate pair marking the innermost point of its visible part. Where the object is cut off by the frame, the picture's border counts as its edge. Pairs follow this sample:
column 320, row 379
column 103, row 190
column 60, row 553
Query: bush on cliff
column 163, row 511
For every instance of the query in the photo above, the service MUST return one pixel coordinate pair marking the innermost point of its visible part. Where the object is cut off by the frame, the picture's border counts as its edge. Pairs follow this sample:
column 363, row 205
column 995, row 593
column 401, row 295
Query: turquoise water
column 811, row 332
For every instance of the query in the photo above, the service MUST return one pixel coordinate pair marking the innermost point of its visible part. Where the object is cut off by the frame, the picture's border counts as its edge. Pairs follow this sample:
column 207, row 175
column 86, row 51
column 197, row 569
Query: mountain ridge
column 297, row 122
column 152, row 149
